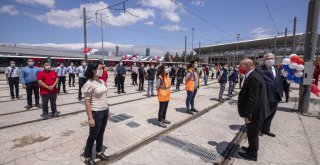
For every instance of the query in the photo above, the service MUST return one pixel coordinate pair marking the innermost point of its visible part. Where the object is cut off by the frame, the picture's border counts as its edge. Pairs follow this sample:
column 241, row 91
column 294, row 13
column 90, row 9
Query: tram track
column 79, row 111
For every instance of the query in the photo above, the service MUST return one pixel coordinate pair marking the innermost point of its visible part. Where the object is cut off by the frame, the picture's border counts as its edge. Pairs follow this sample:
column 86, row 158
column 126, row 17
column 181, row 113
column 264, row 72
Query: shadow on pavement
column 235, row 126
column 153, row 121
column 182, row 110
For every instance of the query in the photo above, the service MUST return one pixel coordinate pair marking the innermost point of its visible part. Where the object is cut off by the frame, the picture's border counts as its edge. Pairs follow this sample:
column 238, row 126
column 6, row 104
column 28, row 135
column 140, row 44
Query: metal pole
column 318, row 47
column 185, row 50
column 102, row 38
column 285, row 43
column 309, row 51
column 234, row 60
column 85, row 33
column 275, row 44
column 199, row 53
column 294, row 35
column 192, row 41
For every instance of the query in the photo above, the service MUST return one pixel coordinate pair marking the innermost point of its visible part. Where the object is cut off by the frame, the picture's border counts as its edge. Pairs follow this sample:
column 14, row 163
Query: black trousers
column 134, row 78
column 141, row 82
column 172, row 80
column 14, row 84
column 82, row 81
column 267, row 122
column 96, row 133
column 253, row 139
column 45, row 100
column 212, row 75
column 179, row 81
column 32, row 86
column 71, row 78
column 62, row 79
column 163, row 106
column 286, row 87
column 120, row 83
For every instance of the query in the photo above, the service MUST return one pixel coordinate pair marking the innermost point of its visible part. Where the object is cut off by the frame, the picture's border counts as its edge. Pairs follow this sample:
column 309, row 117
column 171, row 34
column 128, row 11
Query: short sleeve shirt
column 48, row 78
column 96, row 92
column 15, row 72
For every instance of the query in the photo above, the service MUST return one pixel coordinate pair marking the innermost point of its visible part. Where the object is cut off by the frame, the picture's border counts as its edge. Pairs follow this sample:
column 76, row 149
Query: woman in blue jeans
column 192, row 85
column 95, row 92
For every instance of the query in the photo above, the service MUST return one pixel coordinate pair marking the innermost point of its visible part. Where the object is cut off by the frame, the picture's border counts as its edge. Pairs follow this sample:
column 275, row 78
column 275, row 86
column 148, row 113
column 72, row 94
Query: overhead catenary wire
column 40, row 9
column 272, row 19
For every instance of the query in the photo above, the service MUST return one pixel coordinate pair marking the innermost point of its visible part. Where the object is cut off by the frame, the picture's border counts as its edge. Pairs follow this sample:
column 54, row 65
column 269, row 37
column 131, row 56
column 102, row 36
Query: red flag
column 85, row 51
column 315, row 90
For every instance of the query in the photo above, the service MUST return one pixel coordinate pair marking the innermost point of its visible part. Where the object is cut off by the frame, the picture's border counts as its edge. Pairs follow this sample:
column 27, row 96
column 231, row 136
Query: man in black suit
column 272, row 77
column 252, row 107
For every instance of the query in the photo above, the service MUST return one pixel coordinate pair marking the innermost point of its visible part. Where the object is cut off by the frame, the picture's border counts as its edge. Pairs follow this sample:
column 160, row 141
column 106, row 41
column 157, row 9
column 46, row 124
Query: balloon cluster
column 293, row 69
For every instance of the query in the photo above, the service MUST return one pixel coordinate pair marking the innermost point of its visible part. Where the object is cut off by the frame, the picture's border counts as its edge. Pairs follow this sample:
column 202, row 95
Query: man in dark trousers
column 252, row 107
column 223, row 77
column 141, row 77
column 180, row 75
column 172, row 75
column 121, row 74
column 62, row 71
column 71, row 70
column 12, row 75
column 272, row 77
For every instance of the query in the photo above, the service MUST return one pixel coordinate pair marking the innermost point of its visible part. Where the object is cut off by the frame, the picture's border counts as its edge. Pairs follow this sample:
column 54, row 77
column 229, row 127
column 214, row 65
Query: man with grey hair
column 273, row 80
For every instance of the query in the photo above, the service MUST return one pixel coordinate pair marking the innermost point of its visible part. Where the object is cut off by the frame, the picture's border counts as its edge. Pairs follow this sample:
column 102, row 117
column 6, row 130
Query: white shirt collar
column 247, row 74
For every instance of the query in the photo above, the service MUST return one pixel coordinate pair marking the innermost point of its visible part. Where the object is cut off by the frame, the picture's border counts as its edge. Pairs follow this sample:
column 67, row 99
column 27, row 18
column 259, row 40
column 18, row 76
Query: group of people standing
column 258, row 101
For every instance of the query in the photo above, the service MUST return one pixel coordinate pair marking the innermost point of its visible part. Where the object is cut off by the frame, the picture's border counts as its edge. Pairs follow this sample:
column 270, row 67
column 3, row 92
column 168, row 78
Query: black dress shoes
column 245, row 148
column 268, row 133
column 89, row 161
column 248, row 156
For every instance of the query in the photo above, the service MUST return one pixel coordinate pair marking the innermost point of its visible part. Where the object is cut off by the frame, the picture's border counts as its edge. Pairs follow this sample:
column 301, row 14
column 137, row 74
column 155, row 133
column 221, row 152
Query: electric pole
column 294, row 35
column 275, row 45
column 285, row 42
column 236, row 55
column 199, row 52
column 192, row 40
column 185, row 50
column 101, row 26
column 85, row 33
column 309, row 52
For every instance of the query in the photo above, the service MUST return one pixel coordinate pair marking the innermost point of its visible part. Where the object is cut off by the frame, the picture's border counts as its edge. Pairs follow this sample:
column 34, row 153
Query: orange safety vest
column 164, row 89
column 190, row 82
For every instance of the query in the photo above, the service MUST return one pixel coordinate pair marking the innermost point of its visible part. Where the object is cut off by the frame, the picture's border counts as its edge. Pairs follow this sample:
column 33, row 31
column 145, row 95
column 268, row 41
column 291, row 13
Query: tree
column 167, row 56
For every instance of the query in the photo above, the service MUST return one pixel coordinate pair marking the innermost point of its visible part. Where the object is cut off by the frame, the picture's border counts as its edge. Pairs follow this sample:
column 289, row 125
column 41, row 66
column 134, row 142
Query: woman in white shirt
column 95, row 93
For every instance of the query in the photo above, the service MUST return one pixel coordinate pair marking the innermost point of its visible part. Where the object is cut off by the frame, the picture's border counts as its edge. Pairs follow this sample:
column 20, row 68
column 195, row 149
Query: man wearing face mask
column 252, row 107
column 151, row 76
column 141, row 77
column 62, row 71
column 222, row 79
column 28, row 80
column 12, row 77
column 48, row 80
column 179, row 77
column 121, row 74
column 71, row 70
column 273, row 81
column 134, row 74
column 81, row 70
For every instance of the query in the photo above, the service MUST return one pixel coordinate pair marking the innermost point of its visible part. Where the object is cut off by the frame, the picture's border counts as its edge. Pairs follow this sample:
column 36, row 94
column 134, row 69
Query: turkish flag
column 315, row 90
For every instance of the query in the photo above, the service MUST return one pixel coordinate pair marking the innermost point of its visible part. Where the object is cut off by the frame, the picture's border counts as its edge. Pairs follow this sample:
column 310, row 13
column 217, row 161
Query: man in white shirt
column 12, row 76
column 134, row 74
column 71, row 70
column 62, row 71
column 81, row 70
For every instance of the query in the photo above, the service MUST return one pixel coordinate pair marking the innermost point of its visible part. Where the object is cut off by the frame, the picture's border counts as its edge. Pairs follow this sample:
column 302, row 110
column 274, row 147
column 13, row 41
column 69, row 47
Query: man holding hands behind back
column 252, row 107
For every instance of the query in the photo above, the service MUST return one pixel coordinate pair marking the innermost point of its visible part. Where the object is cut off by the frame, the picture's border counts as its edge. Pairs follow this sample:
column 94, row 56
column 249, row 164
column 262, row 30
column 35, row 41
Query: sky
column 160, row 25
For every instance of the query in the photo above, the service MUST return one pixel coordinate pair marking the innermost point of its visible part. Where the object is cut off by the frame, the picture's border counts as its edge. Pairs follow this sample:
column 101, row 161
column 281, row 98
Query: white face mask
column 270, row 62
column 166, row 70
column 121, row 63
column 196, row 65
column 71, row 64
column 84, row 64
column 48, row 67
column 13, row 65
column 99, row 73
column 225, row 67
column 152, row 67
